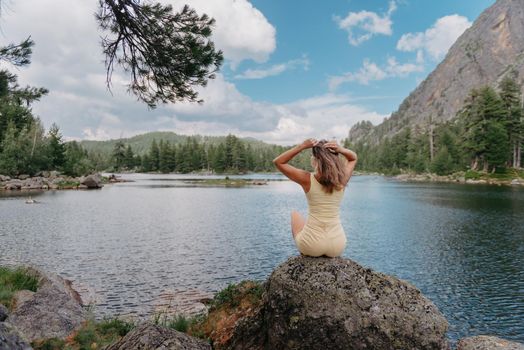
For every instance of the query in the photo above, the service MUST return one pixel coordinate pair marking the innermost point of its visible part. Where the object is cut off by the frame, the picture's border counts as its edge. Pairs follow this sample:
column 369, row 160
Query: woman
column 322, row 234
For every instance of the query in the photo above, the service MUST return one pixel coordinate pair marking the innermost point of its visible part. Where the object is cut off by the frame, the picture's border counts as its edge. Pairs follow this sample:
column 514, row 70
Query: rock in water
column 92, row 181
column 152, row 337
column 10, row 339
column 334, row 303
column 484, row 342
column 53, row 311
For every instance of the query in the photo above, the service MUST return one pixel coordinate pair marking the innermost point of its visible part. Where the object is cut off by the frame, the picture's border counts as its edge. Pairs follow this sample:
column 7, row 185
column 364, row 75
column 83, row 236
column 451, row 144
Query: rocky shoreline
column 53, row 180
column 306, row 303
column 457, row 178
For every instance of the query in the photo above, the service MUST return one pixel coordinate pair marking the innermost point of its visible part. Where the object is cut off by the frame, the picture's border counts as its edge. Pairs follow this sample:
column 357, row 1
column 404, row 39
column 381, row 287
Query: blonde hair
column 330, row 170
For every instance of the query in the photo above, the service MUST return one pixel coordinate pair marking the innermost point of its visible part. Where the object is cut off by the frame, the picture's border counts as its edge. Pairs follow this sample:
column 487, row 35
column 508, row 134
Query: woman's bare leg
column 297, row 222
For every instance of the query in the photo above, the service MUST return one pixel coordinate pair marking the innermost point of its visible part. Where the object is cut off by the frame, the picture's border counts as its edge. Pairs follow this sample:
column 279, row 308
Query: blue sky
column 305, row 28
column 293, row 69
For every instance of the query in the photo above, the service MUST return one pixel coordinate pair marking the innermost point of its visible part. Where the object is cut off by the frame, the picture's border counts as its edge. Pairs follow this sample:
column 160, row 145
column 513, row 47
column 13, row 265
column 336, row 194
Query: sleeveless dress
column 323, row 233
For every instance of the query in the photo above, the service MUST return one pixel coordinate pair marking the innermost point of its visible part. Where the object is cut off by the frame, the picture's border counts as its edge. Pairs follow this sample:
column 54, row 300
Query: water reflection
column 131, row 242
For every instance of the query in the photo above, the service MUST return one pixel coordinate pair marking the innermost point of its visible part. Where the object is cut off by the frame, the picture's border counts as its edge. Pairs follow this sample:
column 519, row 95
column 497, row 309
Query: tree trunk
column 515, row 164
column 431, row 146
column 519, row 153
column 486, row 166
column 475, row 163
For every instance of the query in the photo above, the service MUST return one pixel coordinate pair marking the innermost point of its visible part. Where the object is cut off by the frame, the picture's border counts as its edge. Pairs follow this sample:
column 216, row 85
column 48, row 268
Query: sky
column 293, row 69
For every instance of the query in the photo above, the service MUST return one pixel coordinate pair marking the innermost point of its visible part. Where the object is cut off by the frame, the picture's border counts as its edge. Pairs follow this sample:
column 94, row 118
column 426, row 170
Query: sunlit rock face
column 335, row 303
column 491, row 49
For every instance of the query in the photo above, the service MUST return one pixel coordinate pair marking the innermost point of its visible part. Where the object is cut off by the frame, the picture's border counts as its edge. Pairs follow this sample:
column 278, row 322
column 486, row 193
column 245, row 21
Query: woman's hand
column 333, row 147
column 309, row 143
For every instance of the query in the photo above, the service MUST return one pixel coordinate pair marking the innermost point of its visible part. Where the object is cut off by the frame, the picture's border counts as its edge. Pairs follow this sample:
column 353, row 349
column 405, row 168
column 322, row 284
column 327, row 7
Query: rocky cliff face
column 488, row 51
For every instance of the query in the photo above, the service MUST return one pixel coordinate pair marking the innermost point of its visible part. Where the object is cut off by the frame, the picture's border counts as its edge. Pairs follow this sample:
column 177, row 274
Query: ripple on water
column 137, row 248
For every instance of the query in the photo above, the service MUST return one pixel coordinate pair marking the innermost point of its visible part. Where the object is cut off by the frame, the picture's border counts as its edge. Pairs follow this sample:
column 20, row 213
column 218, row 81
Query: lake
column 129, row 244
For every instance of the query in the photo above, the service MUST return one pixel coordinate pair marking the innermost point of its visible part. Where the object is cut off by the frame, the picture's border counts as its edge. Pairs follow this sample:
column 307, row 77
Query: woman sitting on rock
column 322, row 233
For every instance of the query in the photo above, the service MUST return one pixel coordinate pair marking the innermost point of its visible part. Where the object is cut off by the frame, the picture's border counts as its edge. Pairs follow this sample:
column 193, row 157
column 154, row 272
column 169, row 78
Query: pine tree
column 119, row 155
column 56, row 148
column 129, row 158
column 510, row 94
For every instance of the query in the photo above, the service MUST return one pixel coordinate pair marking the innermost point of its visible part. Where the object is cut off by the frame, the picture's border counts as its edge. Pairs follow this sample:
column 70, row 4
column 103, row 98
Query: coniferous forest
column 486, row 135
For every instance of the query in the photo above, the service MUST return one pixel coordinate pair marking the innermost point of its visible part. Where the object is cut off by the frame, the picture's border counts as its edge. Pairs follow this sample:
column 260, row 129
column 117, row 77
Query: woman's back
column 323, row 206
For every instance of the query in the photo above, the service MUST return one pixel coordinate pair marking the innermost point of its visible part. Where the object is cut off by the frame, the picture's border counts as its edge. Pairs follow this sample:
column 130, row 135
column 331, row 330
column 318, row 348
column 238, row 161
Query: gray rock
column 4, row 178
column 57, row 180
column 334, row 303
column 10, row 339
column 23, row 177
column 53, row 311
column 485, row 342
column 515, row 182
column 92, row 181
column 53, row 174
column 22, row 296
column 151, row 337
column 3, row 313
column 13, row 185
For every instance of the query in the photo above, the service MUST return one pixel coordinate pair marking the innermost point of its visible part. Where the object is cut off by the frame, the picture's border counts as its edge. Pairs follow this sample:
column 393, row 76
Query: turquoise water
column 463, row 246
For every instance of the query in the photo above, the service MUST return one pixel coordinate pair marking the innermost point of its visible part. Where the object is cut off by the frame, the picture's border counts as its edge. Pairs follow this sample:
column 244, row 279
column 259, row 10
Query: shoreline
column 457, row 178
column 54, row 181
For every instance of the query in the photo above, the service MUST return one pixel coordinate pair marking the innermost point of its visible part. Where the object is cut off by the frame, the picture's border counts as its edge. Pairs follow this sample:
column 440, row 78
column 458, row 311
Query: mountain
column 491, row 49
column 141, row 143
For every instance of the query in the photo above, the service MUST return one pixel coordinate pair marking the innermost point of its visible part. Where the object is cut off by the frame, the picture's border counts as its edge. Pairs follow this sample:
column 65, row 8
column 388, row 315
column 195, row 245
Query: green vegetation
column 233, row 293
column 486, row 136
column 186, row 154
column 92, row 335
column 166, row 53
column 14, row 279
column 180, row 322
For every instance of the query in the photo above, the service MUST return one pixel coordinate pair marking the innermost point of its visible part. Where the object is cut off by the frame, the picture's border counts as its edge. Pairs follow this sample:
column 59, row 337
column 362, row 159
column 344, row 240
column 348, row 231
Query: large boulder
column 485, row 342
column 92, row 181
column 151, row 337
column 53, row 311
column 10, row 339
column 335, row 303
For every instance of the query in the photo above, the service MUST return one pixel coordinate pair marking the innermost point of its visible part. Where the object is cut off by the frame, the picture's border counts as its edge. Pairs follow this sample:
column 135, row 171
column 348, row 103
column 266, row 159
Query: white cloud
column 370, row 71
column 67, row 60
column 275, row 69
column 241, row 30
column 436, row 40
column 362, row 26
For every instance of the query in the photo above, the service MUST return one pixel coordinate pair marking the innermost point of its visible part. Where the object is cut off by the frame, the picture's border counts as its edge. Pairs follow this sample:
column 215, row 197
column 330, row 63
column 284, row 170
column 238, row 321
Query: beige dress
column 323, row 233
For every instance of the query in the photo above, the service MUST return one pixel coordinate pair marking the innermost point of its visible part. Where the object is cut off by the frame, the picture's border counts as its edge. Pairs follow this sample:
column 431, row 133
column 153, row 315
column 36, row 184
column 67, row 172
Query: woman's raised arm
column 297, row 175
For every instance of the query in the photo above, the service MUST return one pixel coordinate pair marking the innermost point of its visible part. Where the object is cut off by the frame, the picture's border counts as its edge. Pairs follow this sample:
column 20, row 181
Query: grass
column 232, row 293
column 68, row 184
column 231, row 304
column 15, row 279
column 227, row 182
column 180, row 322
column 501, row 174
column 92, row 335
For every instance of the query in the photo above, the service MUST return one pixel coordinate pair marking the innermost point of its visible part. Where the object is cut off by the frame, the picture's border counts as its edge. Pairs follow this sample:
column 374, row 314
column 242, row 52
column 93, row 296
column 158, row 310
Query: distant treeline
column 232, row 155
column 26, row 148
column 486, row 135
